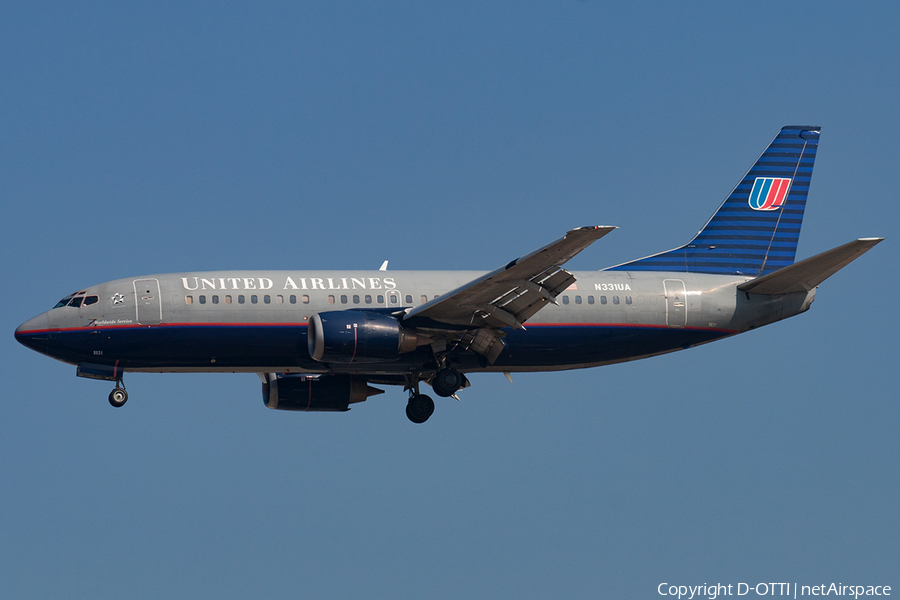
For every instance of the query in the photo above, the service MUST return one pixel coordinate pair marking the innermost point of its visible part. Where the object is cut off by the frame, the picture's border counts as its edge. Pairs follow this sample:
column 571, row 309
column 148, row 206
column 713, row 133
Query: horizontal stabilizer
column 807, row 274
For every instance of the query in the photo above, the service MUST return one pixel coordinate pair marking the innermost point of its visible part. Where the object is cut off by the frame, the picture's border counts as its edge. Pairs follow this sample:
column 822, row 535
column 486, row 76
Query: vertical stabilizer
column 756, row 229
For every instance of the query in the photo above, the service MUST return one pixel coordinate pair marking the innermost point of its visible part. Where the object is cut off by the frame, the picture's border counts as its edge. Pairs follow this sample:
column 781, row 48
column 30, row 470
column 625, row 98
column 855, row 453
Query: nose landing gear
column 118, row 397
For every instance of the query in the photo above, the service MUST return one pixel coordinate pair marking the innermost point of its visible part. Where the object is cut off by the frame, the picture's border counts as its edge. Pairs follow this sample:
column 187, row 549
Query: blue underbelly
column 248, row 346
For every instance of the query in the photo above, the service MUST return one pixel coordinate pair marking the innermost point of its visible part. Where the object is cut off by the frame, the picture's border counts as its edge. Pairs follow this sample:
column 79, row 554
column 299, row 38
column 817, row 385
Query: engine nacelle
column 314, row 393
column 356, row 336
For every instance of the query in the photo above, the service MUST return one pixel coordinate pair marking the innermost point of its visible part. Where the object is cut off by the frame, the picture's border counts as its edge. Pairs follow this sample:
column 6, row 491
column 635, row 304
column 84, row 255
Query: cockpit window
column 63, row 302
column 77, row 300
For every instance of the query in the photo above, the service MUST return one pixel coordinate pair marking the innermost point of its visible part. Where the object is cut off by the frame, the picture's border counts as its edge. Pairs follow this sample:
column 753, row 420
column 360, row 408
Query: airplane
column 320, row 340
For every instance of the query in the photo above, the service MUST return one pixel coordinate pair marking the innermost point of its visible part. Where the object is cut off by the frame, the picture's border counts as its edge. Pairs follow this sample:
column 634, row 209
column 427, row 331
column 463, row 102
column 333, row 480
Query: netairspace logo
column 713, row 591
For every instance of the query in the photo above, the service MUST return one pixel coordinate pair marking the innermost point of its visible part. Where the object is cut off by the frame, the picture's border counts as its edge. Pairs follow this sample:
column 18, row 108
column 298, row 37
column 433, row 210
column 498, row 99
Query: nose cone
column 34, row 333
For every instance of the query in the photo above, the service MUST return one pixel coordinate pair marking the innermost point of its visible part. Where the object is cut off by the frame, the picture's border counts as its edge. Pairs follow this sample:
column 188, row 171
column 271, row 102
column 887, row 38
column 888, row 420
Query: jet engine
column 314, row 393
column 357, row 336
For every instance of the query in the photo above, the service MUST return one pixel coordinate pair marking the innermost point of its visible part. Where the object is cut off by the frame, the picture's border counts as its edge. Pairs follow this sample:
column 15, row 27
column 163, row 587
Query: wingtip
column 598, row 230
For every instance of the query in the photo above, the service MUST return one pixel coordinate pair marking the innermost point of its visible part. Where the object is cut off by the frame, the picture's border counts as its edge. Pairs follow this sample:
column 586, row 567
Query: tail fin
column 756, row 229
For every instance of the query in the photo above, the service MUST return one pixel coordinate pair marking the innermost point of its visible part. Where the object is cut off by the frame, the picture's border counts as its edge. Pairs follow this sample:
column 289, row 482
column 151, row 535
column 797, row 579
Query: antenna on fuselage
column 383, row 266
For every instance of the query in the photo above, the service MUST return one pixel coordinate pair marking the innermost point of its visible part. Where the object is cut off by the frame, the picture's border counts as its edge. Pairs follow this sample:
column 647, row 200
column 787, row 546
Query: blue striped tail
column 757, row 228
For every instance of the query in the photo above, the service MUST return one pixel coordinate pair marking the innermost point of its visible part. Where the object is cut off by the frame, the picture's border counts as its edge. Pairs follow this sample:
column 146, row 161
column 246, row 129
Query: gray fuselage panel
column 605, row 317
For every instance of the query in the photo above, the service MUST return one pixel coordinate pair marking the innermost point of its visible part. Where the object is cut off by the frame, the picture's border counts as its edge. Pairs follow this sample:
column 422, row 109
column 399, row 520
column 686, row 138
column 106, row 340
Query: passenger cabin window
column 627, row 299
column 293, row 299
column 279, row 299
column 577, row 299
column 330, row 299
column 380, row 299
column 240, row 299
column 423, row 299
column 202, row 299
column 267, row 299
column 215, row 299
column 565, row 299
column 590, row 299
column 368, row 299
column 254, row 299
column 409, row 298
column 615, row 299
column 305, row 298
column 343, row 299
column 602, row 299
column 228, row 299
column 188, row 299
column 355, row 299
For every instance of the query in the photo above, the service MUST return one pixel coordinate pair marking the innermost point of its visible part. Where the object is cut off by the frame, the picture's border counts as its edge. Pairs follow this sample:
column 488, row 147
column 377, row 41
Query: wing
column 512, row 294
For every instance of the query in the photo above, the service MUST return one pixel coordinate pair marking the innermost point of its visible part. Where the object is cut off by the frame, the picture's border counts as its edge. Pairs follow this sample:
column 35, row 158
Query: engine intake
column 315, row 393
column 349, row 336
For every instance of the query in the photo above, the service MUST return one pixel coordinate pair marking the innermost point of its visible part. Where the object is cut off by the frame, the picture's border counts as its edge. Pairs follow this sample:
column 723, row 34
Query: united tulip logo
column 769, row 193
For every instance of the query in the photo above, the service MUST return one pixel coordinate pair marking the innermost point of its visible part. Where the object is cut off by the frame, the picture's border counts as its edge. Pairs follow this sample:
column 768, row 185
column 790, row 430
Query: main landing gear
column 118, row 397
column 447, row 382
column 419, row 408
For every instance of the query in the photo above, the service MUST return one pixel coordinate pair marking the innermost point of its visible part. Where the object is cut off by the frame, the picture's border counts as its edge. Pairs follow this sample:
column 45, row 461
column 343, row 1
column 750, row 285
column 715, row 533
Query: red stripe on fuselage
column 159, row 326
column 527, row 326
column 630, row 325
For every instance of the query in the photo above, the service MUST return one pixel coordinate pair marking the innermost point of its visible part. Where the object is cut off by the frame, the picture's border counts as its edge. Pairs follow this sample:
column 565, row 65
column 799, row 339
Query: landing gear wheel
column 419, row 408
column 447, row 382
column 118, row 397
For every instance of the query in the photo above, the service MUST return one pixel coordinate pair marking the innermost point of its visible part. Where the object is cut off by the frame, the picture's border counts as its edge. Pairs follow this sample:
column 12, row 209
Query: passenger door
column 676, row 313
column 148, row 305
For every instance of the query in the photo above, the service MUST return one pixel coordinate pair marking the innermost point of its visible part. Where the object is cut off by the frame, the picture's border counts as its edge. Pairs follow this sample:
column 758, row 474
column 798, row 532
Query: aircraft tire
column 419, row 408
column 447, row 382
column 118, row 397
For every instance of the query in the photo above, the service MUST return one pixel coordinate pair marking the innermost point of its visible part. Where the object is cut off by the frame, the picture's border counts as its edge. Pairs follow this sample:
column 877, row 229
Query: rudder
column 756, row 230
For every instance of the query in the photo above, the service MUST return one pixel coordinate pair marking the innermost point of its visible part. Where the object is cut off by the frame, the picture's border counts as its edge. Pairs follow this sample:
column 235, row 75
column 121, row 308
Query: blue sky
column 141, row 138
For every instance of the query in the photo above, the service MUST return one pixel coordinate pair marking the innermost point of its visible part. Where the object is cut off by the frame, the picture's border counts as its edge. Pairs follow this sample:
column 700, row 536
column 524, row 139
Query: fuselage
column 257, row 321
